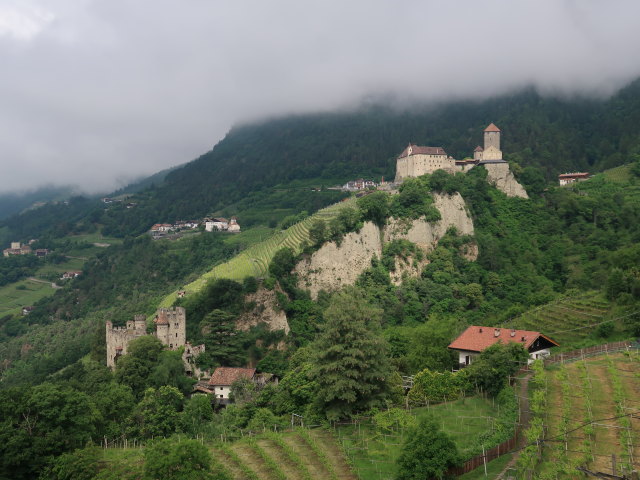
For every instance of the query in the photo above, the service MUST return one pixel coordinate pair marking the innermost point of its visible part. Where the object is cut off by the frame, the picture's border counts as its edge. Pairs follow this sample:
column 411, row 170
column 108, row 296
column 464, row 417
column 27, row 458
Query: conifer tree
column 351, row 366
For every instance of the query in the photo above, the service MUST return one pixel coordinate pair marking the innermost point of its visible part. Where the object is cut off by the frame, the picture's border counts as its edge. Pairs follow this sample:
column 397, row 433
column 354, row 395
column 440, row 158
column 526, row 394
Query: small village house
column 233, row 227
column 475, row 339
column 223, row 377
column 568, row 178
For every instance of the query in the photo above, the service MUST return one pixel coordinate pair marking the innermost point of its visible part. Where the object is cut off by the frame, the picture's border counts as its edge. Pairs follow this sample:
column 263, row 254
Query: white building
column 475, row 339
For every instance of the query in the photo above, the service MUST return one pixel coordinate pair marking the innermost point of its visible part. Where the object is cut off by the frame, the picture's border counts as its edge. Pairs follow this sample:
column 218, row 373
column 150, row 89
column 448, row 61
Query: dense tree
column 427, row 453
column 180, row 459
column 375, row 207
column 224, row 342
column 351, row 366
column 495, row 365
column 158, row 413
column 40, row 422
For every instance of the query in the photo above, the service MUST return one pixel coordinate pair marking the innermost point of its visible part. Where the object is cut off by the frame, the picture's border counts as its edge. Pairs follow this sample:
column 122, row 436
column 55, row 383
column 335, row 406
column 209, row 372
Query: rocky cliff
column 333, row 266
column 501, row 176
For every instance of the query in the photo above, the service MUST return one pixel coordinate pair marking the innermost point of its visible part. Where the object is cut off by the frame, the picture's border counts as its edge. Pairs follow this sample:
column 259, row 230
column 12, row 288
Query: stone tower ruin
column 171, row 330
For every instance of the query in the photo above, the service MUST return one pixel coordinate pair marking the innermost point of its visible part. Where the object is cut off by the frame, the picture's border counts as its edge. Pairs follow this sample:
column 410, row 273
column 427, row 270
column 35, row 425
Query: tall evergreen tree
column 351, row 366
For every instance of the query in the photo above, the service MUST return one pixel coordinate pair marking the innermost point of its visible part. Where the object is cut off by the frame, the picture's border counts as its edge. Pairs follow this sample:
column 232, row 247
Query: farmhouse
column 223, row 377
column 475, row 339
column 568, row 178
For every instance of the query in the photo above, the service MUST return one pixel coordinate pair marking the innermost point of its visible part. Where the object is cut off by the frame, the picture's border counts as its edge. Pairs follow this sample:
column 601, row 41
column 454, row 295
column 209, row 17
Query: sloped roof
column 478, row 149
column 161, row 319
column 228, row 375
column 492, row 128
column 573, row 175
column 417, row 150
column 477, row 338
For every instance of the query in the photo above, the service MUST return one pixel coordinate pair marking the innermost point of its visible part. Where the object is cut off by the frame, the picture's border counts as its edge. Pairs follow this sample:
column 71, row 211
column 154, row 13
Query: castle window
column 176, row 334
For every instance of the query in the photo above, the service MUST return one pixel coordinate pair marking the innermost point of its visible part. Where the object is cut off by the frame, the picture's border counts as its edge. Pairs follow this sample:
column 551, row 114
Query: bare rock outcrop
column 501, row 176
column 265, row 310
column 332, row 266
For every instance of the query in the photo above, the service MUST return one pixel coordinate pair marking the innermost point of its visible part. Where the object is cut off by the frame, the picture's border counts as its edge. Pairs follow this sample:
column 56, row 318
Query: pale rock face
column 500, row 175
column 333, row 266
column 266, row 311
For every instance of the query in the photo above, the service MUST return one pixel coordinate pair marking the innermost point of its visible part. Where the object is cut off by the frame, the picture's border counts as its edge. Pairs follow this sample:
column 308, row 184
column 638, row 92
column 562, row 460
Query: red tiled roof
column 228, row 375
column 476, row 338
column 492, row 128
column 478, row 149
column 416, row 150
column 161, row 319
column 573, row 175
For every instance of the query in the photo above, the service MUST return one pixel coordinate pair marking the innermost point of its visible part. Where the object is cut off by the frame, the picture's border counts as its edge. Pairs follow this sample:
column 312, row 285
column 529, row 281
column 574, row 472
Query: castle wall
column 171, row 331
column 420, row 164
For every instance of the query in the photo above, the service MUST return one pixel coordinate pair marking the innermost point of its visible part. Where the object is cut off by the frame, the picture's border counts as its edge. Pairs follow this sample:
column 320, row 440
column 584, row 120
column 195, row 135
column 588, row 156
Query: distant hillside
column 551, row 135
column 13, row 203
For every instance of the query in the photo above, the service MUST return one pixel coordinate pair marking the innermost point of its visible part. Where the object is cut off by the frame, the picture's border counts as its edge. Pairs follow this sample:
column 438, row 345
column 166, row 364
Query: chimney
column 513, row 333
column 496, row 333
column 480, row 330
column 523, row 339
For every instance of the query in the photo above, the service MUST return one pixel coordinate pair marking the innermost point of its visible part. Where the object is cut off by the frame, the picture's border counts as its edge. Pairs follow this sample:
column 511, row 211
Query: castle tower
column 171, row 327
column 492, row 150
column 492, row 137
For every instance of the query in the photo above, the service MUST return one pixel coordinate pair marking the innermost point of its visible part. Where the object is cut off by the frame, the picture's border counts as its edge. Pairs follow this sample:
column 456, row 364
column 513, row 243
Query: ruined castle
column 415, row 161
column 171, row 327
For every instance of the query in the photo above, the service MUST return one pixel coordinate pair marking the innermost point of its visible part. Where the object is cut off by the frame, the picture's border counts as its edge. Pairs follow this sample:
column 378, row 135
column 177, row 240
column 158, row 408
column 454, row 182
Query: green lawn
column 20, row 294
column 374, row 454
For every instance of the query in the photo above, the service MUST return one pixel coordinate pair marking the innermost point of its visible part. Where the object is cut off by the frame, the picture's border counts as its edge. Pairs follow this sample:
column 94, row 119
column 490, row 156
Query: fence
column 508, row 445
column 491, row 454
column 590, row 352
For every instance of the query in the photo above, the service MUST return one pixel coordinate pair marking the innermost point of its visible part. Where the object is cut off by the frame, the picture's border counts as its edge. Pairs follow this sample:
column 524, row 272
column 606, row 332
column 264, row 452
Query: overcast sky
column 94, row 93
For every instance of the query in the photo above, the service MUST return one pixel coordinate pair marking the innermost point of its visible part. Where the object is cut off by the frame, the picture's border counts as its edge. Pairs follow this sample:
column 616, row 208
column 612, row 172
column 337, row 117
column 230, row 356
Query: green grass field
column 254, row 261
column 374, row 454
column 21, row 294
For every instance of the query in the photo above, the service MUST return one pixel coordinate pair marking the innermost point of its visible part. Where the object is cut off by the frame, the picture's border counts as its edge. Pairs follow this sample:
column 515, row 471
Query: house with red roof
column 475, row 339
column 223, row 377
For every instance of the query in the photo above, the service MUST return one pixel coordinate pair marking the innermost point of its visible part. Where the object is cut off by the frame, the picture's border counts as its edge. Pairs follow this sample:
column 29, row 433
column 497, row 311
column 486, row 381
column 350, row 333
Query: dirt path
column 525, row 418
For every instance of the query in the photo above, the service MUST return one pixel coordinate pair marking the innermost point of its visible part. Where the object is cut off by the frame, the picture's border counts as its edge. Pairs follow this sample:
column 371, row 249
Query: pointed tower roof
column 492, row 128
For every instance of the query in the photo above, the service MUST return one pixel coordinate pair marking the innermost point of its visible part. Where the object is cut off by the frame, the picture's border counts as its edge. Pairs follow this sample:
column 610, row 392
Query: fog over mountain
column 96, row 93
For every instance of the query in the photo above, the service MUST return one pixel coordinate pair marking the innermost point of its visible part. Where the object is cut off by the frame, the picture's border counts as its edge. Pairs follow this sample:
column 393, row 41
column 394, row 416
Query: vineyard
column 567, row 320
column 591, row 416
column 297, row 455
column 254, row 261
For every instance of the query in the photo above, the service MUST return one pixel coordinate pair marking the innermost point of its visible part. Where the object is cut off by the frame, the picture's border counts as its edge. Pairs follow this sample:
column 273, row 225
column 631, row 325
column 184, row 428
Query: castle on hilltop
column 415, row 161
column 171, row 327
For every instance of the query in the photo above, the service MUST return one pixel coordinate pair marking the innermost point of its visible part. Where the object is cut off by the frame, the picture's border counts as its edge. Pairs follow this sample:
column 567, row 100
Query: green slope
column 567, row 320
column 254, row 261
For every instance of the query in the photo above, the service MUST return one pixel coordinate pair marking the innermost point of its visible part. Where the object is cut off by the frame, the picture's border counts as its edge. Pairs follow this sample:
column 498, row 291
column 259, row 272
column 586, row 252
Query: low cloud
column 95, row 91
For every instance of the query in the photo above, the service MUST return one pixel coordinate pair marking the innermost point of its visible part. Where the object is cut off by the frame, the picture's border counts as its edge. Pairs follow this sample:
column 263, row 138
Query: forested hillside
column 284, row 157
column 565, row 249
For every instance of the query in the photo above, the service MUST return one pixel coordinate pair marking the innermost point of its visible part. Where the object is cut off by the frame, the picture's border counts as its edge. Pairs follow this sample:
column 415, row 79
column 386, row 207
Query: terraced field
column 254, row 261
column 592, row 416
column 567, row 320
column 297, row 455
